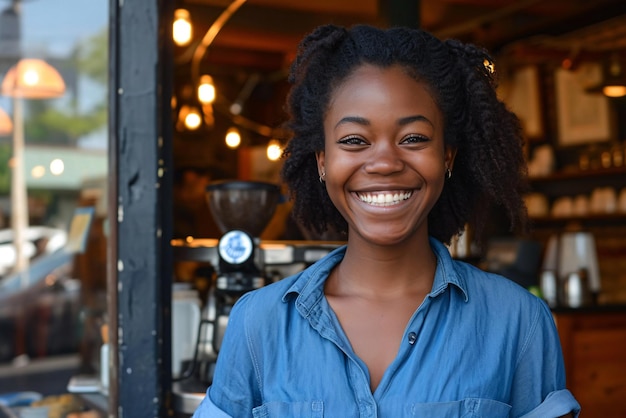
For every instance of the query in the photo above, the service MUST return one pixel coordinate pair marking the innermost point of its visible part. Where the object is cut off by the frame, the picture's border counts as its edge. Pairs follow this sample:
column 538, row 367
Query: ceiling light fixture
column 614, row 78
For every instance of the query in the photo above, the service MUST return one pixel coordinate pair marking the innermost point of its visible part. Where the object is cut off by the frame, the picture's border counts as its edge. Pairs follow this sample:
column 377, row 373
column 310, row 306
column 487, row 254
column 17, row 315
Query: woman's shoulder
column 280, row 294
column 269, row 295
column 495, row 288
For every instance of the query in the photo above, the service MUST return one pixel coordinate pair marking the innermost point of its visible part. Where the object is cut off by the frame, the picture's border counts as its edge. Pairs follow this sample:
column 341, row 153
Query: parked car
column 39, row 307
column 39, row 241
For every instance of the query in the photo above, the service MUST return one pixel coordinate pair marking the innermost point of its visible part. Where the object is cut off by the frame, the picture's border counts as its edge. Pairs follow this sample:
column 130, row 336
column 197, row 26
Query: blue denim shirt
column 478, row 346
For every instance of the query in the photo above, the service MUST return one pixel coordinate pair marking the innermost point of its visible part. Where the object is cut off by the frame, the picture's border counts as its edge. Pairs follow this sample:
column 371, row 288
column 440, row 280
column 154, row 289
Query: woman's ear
column 320, row 157
column 449, row 155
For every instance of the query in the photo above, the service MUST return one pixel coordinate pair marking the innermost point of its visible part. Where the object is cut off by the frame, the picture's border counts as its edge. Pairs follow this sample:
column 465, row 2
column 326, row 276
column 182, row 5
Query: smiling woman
column 384, row 138
column 398, row 141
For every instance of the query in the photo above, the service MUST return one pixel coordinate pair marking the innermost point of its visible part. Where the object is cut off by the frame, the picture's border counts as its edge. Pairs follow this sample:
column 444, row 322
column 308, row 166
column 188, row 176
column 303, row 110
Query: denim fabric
column 478, row 346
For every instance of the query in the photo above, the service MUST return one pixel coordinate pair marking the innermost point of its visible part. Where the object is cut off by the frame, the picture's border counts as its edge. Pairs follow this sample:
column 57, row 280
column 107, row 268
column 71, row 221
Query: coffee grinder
column 242, row 210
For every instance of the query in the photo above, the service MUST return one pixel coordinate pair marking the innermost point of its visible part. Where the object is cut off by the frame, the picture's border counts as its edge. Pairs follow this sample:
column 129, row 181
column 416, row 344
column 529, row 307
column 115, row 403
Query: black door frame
column 139, row 259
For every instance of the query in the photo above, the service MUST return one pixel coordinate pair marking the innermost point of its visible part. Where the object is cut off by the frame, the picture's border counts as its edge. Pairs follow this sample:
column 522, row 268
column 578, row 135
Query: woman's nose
column 384, row 159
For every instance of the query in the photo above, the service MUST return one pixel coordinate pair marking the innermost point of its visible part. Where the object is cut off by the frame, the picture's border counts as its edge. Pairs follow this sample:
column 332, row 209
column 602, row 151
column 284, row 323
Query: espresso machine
column 242, row 262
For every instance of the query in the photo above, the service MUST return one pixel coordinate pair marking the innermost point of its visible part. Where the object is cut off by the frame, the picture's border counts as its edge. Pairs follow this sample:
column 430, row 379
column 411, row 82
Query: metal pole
column 19, row 204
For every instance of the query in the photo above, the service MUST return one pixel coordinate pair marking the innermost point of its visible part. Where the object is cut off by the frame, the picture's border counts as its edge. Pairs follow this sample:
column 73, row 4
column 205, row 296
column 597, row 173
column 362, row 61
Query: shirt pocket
column 307, row 409
column 466, row 408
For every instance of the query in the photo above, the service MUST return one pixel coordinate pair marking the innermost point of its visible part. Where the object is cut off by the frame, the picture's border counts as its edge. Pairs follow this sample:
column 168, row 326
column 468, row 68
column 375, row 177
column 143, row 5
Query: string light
column 188, row 117
column 233, row 138
column 182, row 31
column 206, row 90
column 193, row 120
column 274, row 150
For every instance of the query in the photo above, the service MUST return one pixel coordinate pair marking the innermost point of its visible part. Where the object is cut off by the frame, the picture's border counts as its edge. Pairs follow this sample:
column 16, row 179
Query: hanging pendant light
column 614, row 78
column 6, row 126
column 33, row 78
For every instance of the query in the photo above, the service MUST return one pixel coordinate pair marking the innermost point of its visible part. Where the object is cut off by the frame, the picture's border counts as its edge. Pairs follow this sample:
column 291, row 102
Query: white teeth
column 384, row 199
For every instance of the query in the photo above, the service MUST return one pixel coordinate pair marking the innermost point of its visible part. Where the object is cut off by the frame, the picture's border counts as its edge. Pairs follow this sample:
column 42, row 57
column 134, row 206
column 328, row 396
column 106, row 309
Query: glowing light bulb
column 182, row 30
column 206, row 90
column 233, row 138
column 38, row 171
column 274, row 150
column 614, row 91
column 57, row 167
column 193, row 119
column 30, row 77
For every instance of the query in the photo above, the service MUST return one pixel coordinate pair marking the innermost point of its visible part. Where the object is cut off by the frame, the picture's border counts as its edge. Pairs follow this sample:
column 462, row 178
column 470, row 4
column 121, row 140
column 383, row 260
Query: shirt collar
column 447, row 272
column 309, row 287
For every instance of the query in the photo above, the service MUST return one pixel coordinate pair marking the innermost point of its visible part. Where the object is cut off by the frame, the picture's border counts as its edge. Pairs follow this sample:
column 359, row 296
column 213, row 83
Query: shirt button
column 412, row 338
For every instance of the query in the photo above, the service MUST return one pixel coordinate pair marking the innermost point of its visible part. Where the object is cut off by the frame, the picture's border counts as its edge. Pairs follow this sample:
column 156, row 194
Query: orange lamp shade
column 6, row 126
column 33, row 78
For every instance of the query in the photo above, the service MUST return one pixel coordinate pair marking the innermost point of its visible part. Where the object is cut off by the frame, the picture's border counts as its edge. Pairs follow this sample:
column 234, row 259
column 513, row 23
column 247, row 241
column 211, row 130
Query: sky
column 57, row 25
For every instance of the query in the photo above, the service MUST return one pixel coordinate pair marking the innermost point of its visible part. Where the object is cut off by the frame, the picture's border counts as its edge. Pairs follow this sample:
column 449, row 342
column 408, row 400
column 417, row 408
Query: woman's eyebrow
column 353, row 119
column 416, row 118
column 402, row 121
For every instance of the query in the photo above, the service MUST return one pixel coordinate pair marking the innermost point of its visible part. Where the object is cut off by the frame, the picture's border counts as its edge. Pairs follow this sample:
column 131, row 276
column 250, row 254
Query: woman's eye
column 414, row 139
column 352, row 140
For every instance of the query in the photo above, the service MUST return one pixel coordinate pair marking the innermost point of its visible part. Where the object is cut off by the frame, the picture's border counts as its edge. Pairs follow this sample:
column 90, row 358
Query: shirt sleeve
column 233, row 390
column 539, row 384
column 208, row 409
column 556, row 404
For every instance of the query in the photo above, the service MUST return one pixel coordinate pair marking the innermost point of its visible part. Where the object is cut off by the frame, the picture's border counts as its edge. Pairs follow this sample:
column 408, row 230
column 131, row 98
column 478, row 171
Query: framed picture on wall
column 521, row 92
column 582, row 117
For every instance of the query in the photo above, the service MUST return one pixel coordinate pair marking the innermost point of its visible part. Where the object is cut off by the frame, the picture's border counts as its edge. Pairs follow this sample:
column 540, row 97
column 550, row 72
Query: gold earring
column 322, row 176
column 448, row 173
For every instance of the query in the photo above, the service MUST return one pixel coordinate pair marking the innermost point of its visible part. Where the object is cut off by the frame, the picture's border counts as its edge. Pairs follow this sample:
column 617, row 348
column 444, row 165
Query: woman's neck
column 384, row 271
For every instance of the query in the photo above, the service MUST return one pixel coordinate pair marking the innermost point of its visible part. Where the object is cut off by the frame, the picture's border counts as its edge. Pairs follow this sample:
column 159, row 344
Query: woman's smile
column 381, row 198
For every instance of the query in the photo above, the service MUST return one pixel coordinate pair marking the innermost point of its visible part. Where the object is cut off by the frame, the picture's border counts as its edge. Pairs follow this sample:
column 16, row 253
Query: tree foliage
column 65, row 125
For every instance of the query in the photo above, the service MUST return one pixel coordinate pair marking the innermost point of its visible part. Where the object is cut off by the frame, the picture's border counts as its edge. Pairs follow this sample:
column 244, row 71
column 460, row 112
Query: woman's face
column 384, row 158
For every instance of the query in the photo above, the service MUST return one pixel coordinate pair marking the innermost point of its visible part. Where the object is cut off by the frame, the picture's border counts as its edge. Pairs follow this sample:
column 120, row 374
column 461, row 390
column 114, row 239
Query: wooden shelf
column 567, row 175
column 599, row 219
column 574, row 182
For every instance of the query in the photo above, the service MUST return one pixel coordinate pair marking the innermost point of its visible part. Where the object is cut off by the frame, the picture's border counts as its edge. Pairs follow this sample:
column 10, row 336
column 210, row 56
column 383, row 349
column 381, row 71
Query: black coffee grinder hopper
column 242, row 210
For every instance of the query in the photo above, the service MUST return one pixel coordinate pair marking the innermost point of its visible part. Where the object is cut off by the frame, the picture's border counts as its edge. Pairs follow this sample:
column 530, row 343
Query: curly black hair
column 489, row 168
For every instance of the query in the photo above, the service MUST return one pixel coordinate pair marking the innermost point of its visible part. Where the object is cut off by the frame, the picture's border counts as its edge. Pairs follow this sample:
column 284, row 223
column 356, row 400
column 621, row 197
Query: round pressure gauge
column 235, row 247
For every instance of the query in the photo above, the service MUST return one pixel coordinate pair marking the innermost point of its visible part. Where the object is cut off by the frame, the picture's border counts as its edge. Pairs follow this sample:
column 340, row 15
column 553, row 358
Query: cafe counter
column 594, row 343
